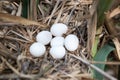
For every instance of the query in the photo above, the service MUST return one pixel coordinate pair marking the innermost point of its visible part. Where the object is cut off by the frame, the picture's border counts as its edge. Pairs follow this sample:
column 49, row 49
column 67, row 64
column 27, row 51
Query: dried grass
column 15, row 39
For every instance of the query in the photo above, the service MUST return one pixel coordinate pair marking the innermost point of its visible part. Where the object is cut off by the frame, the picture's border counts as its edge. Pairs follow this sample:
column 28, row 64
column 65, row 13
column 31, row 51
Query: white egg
column 57, row 52
column 37, row 49
column 71, row 42
column 57, row 41
column 44, row 37
column 58, row 29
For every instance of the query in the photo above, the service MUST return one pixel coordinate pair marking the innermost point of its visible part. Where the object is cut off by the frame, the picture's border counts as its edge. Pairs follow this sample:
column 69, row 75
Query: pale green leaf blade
column 102, row 55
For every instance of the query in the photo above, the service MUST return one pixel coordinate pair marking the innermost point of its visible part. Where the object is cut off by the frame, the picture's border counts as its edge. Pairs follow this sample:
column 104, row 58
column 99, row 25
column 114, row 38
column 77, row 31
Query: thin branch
column 107, row 63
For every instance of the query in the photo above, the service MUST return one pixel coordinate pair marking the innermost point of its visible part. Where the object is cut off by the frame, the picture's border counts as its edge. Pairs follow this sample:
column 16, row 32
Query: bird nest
column 17, row 34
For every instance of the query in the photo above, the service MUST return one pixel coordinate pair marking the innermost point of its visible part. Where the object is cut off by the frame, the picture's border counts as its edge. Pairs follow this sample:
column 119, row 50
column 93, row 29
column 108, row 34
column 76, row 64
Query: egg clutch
column 58, row 44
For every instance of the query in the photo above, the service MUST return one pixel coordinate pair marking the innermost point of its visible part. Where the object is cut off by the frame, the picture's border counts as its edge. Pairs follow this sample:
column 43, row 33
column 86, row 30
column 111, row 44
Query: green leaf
column 94, row 48
column 103, row 6
column 25, row 5
column 97, row 40
column 37, row 2
column 102, row 56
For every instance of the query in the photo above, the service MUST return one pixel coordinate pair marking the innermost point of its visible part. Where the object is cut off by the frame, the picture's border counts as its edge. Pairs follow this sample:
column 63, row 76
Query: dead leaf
column 117, row 45
column 20, row 20
column 115, row 12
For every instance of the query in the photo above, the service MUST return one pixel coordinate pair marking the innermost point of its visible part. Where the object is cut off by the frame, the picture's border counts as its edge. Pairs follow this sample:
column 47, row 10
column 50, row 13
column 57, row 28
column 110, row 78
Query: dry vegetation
column 17, row 34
